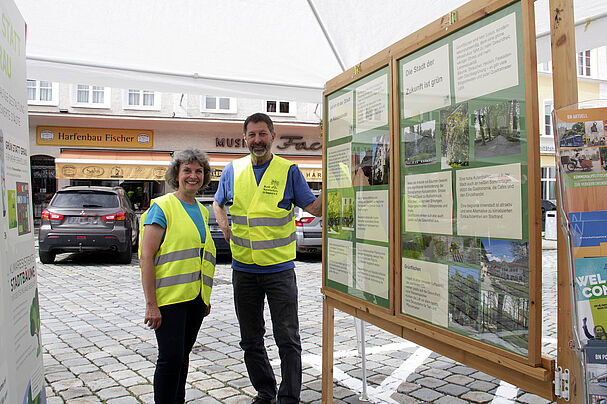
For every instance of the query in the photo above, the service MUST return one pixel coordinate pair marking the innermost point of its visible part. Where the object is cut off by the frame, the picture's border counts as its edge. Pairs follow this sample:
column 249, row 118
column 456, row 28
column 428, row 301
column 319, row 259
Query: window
column 548, row 118
column 141, row 99
column 225, row 105
column 280, row 107
column 545, row 67
column 549, row 183
column 42, row 92
column 583, row 64
column 89, row 96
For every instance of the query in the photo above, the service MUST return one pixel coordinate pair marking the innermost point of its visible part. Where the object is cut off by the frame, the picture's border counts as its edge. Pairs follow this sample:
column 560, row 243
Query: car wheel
column 46, row 257
column 124, row 257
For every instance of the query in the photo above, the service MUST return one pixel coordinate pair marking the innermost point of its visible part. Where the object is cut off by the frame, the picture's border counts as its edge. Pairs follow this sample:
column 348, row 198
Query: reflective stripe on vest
column 263, row 221
column 176, row 256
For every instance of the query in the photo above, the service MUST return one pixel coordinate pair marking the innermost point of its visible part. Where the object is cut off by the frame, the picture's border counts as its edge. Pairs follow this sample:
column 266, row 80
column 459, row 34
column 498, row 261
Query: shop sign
column 284, row 142
column 110, row 171
column 94, row 137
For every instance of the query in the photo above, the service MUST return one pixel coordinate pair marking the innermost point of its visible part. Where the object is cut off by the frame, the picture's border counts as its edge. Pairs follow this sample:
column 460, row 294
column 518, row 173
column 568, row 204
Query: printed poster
column 21, row 370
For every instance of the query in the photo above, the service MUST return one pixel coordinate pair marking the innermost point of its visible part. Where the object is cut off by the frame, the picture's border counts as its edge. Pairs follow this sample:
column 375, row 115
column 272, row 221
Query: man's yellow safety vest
column 184, row 266
column 262, row 233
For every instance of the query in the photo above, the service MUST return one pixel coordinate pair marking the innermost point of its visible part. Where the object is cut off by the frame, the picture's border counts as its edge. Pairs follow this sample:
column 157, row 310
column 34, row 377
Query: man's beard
column 257, row 153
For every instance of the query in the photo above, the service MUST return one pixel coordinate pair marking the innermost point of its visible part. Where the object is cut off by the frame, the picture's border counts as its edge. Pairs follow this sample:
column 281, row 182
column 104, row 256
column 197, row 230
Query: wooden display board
column 432, row 214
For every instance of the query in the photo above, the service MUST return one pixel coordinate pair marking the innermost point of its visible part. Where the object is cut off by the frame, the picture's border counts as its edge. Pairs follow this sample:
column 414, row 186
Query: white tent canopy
column 248, row 48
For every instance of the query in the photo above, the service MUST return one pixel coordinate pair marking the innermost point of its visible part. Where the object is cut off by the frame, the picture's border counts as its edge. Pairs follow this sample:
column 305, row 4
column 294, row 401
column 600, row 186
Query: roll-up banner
column 21, row 370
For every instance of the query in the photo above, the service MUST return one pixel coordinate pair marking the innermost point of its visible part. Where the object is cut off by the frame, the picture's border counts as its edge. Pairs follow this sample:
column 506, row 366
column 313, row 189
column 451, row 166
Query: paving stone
column 453, row 389
column 459, row 379
column 450, row 400
column 66, row 384
column 112, row 392
column 477, row 397
column 123, row 400
column 141, row 389
column 532, row 399
column 85, row 400
column 427, row 395
column 222, row 393
column 75, row 392
column 208, row 384
column 481, row 385
column 430, row 382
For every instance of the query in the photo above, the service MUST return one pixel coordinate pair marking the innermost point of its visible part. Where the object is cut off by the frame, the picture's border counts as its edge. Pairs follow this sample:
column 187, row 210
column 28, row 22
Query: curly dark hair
column 187, row 156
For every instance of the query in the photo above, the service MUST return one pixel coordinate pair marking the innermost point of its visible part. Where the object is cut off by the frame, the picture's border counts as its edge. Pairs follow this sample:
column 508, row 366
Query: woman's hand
column 153, row 318
column 208, row 310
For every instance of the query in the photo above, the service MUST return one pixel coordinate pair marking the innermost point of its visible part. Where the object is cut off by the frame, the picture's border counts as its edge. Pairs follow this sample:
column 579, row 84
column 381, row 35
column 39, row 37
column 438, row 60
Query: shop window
column 141, row 99
column 41, row 92
column 89, row 96
column 275, row 107
column 222, row 105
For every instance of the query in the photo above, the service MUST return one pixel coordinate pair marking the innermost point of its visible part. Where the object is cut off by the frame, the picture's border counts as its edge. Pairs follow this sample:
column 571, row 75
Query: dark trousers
column 176, row 336
column 249, row 293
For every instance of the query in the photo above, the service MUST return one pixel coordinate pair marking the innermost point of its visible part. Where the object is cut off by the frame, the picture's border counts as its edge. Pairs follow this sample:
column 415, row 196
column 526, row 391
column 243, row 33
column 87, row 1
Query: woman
column 177, row 258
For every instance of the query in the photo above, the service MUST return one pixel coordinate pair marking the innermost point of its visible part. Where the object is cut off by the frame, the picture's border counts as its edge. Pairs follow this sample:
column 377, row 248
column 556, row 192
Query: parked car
column 88, row 218
column 546, row 207
column 308, row 231
column 222, row 246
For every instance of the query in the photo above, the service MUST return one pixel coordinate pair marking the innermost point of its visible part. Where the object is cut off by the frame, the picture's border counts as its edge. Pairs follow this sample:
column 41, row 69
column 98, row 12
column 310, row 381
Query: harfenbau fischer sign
column 94, row 137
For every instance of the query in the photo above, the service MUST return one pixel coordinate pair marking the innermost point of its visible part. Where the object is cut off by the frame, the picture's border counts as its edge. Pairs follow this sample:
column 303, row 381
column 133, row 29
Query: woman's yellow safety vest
column 262, row 233
column 184, row 266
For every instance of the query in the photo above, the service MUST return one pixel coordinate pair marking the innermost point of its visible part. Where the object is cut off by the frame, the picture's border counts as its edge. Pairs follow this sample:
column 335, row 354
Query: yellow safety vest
column 182, row 260
column 262, row 233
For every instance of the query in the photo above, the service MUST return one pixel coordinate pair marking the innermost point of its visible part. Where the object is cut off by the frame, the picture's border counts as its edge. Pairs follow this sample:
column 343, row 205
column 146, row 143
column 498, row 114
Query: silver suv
column 308, row 231
column 89, row 219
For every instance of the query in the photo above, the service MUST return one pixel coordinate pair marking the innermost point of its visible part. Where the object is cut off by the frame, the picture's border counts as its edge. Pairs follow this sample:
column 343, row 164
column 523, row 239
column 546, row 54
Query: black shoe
column 260, row 400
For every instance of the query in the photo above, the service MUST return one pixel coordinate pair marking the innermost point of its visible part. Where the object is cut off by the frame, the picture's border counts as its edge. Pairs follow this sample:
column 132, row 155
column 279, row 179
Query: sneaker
column 260, row 400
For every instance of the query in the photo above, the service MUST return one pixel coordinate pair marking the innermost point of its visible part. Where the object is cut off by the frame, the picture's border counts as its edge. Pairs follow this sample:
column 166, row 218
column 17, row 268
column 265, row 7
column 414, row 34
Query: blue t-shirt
column 297, row 192
column 155, row 215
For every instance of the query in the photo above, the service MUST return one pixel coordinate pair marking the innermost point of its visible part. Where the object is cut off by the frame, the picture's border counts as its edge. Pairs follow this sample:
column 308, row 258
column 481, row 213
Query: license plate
column 82, row 220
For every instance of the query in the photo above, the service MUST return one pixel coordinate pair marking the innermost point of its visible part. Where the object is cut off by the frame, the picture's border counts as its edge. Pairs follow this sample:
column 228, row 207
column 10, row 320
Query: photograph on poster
column 371, row 162
column 497, row 128
column 596, row 383
column 341, row 116
column 571, row 134
column 587, row 159
column 419, row 143
column 595, row 133
column 465, row 250
column 603, row 156
column 372, row 269
column 504, row 294
column 347, row 211
column 23, row 208
column 339, row 261
column 12, row 208
column 464, row 293
column 425, row 291
column 455, row 142
column 334, row 212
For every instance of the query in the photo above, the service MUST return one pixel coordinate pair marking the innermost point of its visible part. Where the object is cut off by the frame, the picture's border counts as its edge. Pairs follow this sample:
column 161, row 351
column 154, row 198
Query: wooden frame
column 533, row 372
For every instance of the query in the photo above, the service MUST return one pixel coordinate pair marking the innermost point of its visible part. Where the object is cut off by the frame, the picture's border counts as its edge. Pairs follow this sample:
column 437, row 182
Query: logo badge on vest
column 271, row 188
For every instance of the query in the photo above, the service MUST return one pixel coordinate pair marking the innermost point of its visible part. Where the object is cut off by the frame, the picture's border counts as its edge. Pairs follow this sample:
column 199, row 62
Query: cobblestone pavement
column 96, row 348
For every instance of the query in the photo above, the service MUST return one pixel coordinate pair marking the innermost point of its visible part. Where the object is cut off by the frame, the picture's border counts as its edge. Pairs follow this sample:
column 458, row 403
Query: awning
column 310, row 166
column 111, row 165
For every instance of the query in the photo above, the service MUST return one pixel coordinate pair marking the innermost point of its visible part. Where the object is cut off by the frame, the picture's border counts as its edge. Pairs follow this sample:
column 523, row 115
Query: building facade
column 92, row 135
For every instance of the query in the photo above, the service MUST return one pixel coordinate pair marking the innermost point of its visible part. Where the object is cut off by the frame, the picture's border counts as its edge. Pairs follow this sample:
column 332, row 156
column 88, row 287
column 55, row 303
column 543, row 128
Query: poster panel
column 21, row 371
column 463, row 157
column 581, row 144
column 357, row 191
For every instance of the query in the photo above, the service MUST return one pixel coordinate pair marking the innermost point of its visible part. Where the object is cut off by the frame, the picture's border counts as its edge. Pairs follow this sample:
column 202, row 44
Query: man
column 264, row 187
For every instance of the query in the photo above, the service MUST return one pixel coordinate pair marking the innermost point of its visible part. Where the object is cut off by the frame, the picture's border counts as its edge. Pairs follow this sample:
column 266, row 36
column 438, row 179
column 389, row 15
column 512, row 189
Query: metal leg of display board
column 328, row 341
column 360, row 336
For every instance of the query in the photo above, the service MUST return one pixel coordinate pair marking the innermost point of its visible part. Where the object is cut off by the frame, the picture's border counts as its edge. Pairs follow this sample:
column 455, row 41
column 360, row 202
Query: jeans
column 250, row 290
column 176, row 336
